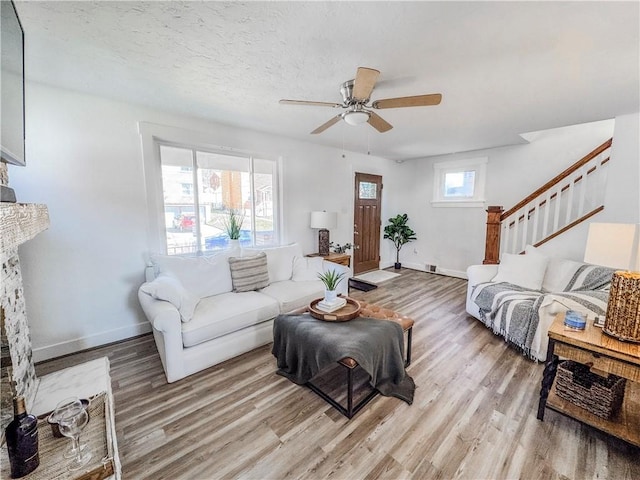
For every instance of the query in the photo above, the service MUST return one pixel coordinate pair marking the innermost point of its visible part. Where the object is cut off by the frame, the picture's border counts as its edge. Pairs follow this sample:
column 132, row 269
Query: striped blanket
column 523, row 316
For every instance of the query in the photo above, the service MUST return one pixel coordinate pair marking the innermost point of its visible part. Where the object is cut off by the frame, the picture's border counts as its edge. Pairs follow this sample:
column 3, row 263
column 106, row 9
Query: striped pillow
column 249, row 273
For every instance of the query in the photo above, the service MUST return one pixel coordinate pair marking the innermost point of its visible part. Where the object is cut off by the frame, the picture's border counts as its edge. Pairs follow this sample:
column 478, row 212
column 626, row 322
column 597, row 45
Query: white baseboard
column 440, row 271
column 78, row 344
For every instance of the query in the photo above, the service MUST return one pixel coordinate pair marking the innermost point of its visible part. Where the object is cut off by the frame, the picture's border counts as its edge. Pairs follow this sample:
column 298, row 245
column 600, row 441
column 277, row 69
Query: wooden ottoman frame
column 349, row 364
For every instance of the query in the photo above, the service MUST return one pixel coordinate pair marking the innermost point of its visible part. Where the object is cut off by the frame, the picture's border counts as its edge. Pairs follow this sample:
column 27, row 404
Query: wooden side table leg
column 349, row 392
column 409, row 335
column 548, row 376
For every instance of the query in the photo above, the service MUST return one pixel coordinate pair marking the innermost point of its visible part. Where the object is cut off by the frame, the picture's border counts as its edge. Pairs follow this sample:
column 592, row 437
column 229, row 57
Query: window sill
column 458, row 203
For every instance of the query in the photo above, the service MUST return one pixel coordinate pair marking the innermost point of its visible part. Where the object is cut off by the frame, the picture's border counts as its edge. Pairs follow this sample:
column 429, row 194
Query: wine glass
column 72, row 418
column 70, row 450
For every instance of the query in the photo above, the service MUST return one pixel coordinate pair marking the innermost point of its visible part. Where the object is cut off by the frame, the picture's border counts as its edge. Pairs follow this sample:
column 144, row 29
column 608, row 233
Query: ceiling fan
column 355, row 95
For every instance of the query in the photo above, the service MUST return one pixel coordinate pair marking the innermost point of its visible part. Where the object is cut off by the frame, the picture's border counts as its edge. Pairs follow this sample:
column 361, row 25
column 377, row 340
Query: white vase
column 330, row 296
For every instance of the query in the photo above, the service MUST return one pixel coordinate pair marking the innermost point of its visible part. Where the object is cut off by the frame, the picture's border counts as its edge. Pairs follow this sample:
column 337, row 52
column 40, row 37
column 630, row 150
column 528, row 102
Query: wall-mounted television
column 11, row 85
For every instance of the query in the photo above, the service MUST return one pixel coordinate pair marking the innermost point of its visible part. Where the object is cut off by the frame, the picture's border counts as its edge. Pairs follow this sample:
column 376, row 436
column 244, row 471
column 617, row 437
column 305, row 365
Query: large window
column 200, row 189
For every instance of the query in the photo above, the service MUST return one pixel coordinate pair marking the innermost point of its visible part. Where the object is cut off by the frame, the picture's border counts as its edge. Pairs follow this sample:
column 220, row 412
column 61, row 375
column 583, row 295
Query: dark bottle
column 22, row 441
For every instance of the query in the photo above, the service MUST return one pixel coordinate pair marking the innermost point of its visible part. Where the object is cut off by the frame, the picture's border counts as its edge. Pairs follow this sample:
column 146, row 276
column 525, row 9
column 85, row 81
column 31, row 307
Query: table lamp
column 323, row 221
column 617, row 245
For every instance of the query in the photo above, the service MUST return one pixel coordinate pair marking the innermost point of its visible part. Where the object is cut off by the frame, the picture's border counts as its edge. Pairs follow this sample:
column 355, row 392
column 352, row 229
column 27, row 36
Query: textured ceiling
column 503, row 68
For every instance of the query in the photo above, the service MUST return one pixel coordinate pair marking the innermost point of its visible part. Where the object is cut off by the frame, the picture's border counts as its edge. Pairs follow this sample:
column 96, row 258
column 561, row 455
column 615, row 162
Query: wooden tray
column 350, row 311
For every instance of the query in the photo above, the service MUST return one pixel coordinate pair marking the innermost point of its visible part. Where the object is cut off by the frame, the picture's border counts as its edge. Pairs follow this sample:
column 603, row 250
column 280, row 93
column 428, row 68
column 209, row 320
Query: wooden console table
column 604, row 355
column 339, row 258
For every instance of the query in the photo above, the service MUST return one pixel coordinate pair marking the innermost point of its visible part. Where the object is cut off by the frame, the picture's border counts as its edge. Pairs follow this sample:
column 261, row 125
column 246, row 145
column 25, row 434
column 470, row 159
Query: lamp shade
column 324, row 220
column 614, row 245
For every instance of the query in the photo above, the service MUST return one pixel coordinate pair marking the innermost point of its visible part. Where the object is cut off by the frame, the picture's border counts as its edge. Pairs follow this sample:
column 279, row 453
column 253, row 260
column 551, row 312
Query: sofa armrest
column 478, row 274
column 481, row 273
column 343, row 286
column 163, row 316
column 167, row 332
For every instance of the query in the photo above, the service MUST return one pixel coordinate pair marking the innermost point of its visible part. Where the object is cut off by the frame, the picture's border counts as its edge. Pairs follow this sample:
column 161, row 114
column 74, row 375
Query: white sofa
column 521, row 297
column 199, row 320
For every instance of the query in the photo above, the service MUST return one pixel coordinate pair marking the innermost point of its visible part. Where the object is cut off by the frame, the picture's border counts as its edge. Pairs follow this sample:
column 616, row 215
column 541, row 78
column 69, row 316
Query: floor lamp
column 617, row 245
column 324, row 221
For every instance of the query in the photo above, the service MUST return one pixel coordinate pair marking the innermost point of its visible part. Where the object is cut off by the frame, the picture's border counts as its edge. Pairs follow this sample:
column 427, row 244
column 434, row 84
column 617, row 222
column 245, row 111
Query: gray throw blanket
column 513, row 311
column 304, row 346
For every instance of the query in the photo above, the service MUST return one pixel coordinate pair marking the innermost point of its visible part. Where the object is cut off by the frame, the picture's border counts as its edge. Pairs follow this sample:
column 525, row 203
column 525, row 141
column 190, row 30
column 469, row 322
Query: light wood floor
column 474, row 414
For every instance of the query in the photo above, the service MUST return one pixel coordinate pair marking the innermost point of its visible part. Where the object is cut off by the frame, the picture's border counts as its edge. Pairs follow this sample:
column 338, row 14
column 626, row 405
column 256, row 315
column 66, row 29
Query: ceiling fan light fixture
column 357, row 117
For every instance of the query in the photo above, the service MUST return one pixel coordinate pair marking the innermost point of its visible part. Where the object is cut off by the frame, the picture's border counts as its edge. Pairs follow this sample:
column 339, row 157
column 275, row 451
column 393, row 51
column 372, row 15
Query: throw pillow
column 168, row 288
column 279, row 260
column 560, row 271
column 523, row 270
column 249, row 273
column 306, row 269
column 201, row 276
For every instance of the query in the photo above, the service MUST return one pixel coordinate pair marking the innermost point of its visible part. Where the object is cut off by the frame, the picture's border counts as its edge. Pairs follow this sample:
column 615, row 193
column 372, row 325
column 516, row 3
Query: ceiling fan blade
column 417, row 101
column 315, row 104
column 379, row 123
column 366, row 79
column 326, row 125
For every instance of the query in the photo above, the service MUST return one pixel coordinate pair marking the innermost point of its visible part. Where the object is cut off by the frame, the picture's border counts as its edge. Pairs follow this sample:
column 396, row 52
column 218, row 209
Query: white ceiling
column 503, row 68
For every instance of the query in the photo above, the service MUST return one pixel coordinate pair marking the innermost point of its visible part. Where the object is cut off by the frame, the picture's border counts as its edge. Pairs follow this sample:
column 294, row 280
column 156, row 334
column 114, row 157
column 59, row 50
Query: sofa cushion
column 522, row 270
column 168, row 288
column 225, row 313
column 292, row 295
column 559, row 273
column 249, row 273
column 279, row 260
column 201, row 276
column 307, row 269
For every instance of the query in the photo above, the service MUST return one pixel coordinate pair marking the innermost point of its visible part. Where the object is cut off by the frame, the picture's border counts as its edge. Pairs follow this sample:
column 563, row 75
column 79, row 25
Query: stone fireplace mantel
column 19, row 223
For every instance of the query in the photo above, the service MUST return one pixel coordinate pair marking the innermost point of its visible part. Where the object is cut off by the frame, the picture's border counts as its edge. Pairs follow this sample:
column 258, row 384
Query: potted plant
column 233, row 224
column 331, row 279
column 337, row 248
column 399, row 233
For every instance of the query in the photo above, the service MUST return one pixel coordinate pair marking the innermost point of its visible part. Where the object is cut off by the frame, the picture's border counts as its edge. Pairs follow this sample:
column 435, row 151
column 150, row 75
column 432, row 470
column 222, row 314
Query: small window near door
column 459, row 183
column 367, row 191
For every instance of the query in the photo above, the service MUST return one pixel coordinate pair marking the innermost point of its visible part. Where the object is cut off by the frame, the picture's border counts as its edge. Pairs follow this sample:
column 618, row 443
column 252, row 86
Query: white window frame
column 152, row 136
column 441, row 169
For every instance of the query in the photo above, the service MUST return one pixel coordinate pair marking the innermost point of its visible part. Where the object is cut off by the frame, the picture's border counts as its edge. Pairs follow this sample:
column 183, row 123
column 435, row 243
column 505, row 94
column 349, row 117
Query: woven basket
column 599, row 395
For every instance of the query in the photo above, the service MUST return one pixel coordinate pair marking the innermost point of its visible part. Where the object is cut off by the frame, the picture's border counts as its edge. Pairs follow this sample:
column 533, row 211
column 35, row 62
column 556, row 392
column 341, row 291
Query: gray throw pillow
column 249, row 273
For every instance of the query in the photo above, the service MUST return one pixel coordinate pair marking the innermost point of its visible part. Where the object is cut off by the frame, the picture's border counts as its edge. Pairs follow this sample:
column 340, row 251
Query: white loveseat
column 199, row 320
column 520, row 298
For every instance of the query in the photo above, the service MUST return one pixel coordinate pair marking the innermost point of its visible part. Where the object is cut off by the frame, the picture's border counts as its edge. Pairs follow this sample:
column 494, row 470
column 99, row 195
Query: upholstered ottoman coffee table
column 349, row 365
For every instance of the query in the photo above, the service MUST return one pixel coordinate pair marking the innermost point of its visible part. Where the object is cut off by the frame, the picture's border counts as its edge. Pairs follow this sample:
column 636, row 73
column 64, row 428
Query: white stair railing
column 560, row 204
column 570, row 198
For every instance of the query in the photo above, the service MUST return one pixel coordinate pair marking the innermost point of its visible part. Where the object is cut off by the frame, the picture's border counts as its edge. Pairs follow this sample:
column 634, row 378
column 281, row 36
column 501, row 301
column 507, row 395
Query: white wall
column 622, row 196
column 454, row 238
column 84, row 161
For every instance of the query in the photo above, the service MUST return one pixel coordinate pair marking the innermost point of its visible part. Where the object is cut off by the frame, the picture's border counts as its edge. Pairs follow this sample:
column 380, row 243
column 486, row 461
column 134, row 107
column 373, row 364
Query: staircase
column 560, row 204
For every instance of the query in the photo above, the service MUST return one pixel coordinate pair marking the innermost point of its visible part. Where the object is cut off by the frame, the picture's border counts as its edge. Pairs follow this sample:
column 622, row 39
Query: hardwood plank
column 473, row 416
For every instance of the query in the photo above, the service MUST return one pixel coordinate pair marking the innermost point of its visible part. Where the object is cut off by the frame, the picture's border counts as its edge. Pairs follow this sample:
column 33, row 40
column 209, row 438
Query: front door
column 366, row 222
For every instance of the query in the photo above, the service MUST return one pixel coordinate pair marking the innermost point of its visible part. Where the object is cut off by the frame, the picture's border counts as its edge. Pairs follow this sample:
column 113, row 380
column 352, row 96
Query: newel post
column 492, row 240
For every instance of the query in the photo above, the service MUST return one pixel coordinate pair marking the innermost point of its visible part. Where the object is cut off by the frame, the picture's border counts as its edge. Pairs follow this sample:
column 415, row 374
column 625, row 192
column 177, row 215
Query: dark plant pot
column 397, row 265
